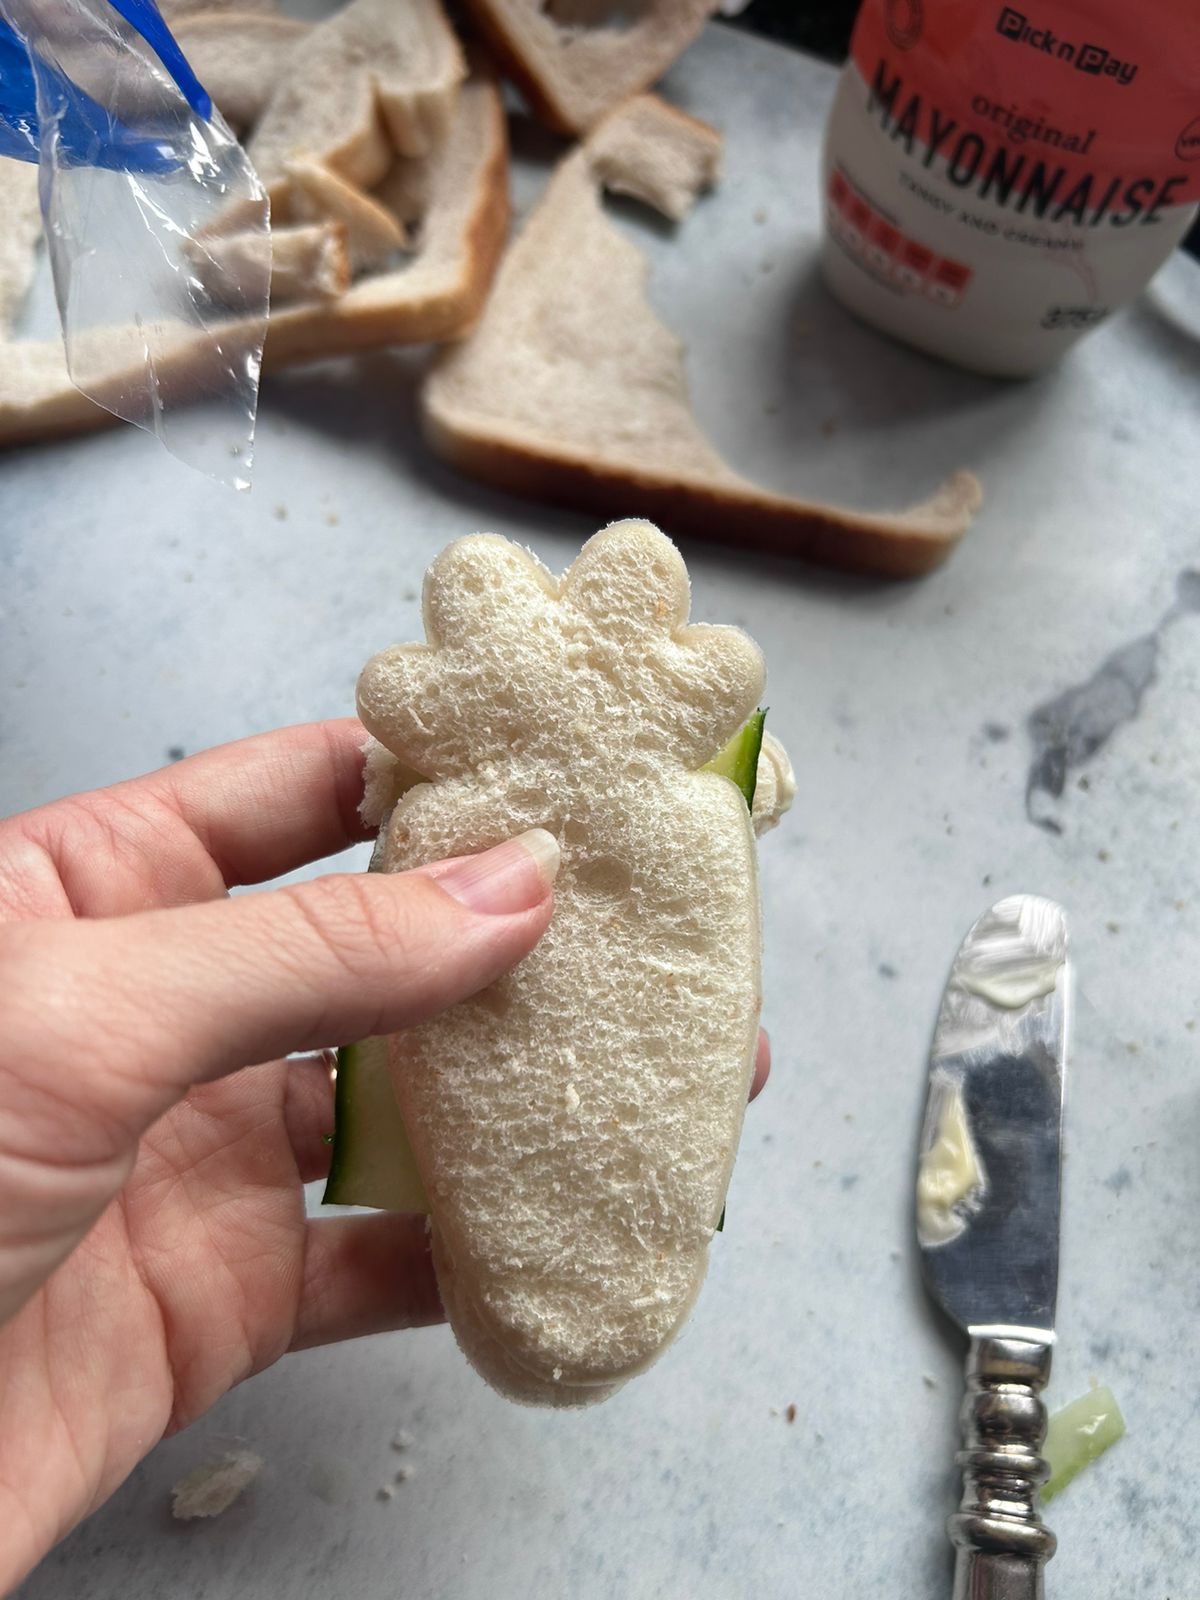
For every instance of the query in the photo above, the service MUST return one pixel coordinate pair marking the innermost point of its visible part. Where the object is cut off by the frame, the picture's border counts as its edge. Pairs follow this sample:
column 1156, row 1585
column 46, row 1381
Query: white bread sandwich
column 574, row 1127
column 571, row 389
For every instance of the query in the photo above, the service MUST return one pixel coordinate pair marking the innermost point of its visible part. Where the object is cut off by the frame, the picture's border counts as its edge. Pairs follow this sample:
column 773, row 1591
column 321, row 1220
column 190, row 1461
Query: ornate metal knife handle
column 1002, row 1545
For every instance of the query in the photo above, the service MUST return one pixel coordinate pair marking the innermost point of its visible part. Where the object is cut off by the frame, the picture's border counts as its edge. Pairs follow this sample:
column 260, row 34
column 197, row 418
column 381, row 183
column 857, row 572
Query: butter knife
column 988, row 1188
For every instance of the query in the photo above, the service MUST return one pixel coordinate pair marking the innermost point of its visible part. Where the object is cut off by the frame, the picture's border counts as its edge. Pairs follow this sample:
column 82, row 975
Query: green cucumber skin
column 339, row 1159
column 739, row 760
column 1077, row 1434
column 390, row 1182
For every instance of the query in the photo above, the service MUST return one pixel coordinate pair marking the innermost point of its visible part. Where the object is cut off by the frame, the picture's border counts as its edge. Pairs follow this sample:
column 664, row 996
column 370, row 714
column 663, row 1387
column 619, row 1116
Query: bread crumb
column 401, row 1440
column 403, row 1474
column 790, row 1413
column 385, row 1492
column 281, row 513
column 332, row 519
column 213, row 1487
column 760, row 216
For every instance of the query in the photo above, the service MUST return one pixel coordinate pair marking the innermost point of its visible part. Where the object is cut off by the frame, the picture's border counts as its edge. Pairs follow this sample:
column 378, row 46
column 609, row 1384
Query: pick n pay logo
column 1091, row 58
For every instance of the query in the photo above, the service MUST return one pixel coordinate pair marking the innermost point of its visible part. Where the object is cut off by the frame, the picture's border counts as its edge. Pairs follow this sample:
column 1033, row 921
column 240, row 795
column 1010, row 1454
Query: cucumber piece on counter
column 372, row 1163
column 739, row 759
column 1078, row 1434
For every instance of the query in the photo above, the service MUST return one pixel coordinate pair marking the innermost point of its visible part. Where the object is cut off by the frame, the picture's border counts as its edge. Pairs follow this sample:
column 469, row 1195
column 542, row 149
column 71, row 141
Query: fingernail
column 511, row 877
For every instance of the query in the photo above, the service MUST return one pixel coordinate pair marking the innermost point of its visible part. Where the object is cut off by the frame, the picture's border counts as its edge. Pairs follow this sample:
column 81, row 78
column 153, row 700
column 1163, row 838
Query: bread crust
column 570, row 314
column 826, row 535
column 539, row 72
column 378, row 310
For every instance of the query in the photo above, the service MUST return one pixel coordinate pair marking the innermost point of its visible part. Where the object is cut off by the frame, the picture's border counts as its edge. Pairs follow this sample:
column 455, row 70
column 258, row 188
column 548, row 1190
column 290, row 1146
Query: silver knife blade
column 988, row 1169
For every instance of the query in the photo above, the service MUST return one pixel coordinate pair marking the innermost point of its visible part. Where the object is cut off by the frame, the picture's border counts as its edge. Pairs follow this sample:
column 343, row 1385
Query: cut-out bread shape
column 574, row 60
column 571, row 388
column 575, row 1125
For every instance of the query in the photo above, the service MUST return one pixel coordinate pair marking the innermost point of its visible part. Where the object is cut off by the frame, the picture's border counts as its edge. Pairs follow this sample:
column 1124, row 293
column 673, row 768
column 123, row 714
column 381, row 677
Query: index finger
column 265, row 805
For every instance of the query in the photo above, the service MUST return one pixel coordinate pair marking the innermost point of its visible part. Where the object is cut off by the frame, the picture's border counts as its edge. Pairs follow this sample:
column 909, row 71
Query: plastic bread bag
column 143, row 188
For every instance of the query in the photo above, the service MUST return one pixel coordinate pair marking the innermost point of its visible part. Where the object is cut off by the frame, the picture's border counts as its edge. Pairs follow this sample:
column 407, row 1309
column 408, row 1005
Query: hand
column 154, row 1249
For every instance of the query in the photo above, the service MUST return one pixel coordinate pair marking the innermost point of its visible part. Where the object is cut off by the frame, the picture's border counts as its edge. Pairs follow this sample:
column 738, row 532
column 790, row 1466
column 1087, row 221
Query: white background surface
column 142, row 609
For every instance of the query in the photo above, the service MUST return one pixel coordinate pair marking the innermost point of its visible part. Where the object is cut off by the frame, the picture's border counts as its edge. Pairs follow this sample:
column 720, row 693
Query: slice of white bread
column 379, row 77
column 575, row 1125
column 657, row 154
column 20, row 231
column 436, row 295
column 306, row 262
column 574, row 60
column 316, row 193
column 240, row 57
column 571, row 389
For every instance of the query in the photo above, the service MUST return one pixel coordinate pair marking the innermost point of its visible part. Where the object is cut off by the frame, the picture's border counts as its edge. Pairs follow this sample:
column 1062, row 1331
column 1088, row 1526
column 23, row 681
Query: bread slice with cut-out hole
column 436, row 294
column 377, row 78
column 574, row 60
column 571, row 388
column 575, row 1124
column 239, row 57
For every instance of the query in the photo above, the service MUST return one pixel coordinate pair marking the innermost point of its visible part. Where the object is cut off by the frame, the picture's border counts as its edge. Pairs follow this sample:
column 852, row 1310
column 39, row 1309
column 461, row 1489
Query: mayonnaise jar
column 999, row 180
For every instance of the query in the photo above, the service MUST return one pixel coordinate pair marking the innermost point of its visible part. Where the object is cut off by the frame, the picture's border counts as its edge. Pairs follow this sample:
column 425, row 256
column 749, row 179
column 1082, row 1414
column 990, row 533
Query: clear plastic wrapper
column 136, row 185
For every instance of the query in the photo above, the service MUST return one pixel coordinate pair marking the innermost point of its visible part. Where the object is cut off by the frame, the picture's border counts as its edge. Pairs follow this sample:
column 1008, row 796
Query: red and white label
column 1095, row 104
column 905, row 263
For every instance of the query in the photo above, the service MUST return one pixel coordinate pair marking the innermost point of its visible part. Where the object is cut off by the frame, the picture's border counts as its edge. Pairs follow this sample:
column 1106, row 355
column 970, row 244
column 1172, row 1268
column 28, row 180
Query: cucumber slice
column 372, row 1163
column 1078, row 1434
column 739, row 762
column 739, row 759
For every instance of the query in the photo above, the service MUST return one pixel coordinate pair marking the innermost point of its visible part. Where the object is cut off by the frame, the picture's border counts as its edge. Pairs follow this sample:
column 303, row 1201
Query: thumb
column 113, row 1020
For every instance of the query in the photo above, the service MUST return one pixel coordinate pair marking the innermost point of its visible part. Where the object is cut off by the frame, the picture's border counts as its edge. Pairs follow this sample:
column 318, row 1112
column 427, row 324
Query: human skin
column 154, row 1247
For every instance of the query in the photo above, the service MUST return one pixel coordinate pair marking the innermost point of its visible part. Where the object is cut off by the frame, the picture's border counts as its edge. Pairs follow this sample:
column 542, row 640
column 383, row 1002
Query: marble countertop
column 1023, row 719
